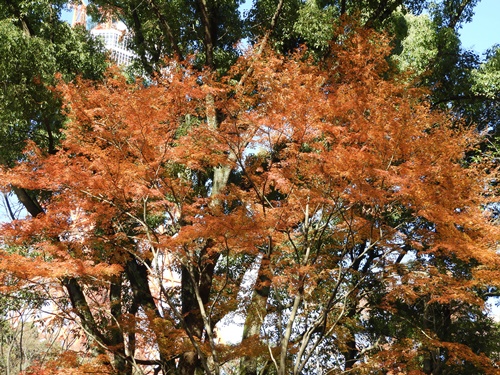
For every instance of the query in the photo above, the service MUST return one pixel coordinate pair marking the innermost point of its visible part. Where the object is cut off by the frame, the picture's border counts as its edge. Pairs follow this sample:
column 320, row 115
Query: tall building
column 114, row 35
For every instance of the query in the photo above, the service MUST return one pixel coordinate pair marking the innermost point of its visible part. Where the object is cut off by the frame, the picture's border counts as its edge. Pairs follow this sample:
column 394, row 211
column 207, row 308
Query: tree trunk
column 94, row 337
column 193, row 319
column 116, row 333
column 137, row 274
column 255, row 316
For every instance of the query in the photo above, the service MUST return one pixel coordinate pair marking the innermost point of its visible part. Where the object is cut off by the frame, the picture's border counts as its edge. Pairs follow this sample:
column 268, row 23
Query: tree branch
column 31, row 205
column 471, row 97
column 208, row 38
column 265, row 40
column 168, row 30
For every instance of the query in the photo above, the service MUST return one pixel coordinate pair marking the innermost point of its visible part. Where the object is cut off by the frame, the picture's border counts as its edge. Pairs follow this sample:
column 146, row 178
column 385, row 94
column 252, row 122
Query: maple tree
column 425, row 38
column 325, row 204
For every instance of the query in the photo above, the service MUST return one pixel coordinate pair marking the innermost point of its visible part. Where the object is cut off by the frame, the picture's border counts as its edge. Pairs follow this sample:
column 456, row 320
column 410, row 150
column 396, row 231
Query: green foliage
column 419, row 47
column 24, row 63
column 315, row 25
column 175, row 28
column 458, row 79
column 486, row 77
column 29, row 63
column 283, row 36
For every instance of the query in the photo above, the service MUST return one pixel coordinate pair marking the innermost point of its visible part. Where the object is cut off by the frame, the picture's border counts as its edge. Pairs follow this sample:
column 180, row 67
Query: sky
column 484, row 30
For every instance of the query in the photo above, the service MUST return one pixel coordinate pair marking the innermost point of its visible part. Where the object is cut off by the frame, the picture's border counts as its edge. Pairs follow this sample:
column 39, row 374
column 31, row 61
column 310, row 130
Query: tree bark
column 116, row 333
column 256, row 312
column 137, row 274
column 193, row 319
column 31, row 205
column 95, row 338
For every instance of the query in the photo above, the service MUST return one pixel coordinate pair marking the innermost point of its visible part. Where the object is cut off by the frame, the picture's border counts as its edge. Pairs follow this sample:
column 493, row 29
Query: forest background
column 334, row 187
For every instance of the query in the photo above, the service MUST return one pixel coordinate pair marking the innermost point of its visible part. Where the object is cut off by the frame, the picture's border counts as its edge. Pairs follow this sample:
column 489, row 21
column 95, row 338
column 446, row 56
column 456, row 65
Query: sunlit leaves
column 347, row 199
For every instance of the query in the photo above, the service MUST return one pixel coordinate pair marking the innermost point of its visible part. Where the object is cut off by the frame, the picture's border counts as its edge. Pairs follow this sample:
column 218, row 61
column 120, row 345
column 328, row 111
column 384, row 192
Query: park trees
column 311, row 193
column 326, row 204
column 35, row 46
column 425, row 38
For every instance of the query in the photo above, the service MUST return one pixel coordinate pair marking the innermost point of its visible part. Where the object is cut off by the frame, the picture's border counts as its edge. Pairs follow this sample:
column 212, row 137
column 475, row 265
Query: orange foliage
column 339, row 170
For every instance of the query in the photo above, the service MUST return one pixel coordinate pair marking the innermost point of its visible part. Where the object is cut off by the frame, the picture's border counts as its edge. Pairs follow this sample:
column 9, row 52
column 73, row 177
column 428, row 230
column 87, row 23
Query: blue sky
column 484, row 30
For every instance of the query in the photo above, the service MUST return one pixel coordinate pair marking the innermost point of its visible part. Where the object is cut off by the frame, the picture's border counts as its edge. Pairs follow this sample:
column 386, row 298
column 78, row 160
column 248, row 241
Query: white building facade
column 115, row 38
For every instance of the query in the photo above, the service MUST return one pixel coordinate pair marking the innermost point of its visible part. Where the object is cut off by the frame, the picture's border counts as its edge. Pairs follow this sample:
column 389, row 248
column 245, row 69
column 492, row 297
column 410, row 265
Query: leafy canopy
column 346, row 196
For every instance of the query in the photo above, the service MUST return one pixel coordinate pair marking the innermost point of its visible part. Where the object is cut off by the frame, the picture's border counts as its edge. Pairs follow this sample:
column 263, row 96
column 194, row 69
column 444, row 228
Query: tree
column 211, row 30
column 460, row 80
column 342, row 193
column 204, row 35
column 22, row 342
column 35, row 46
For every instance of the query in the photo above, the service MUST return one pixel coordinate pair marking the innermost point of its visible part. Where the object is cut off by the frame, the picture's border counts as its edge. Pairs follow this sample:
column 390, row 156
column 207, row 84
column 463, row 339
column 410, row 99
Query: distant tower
column 79, row 14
